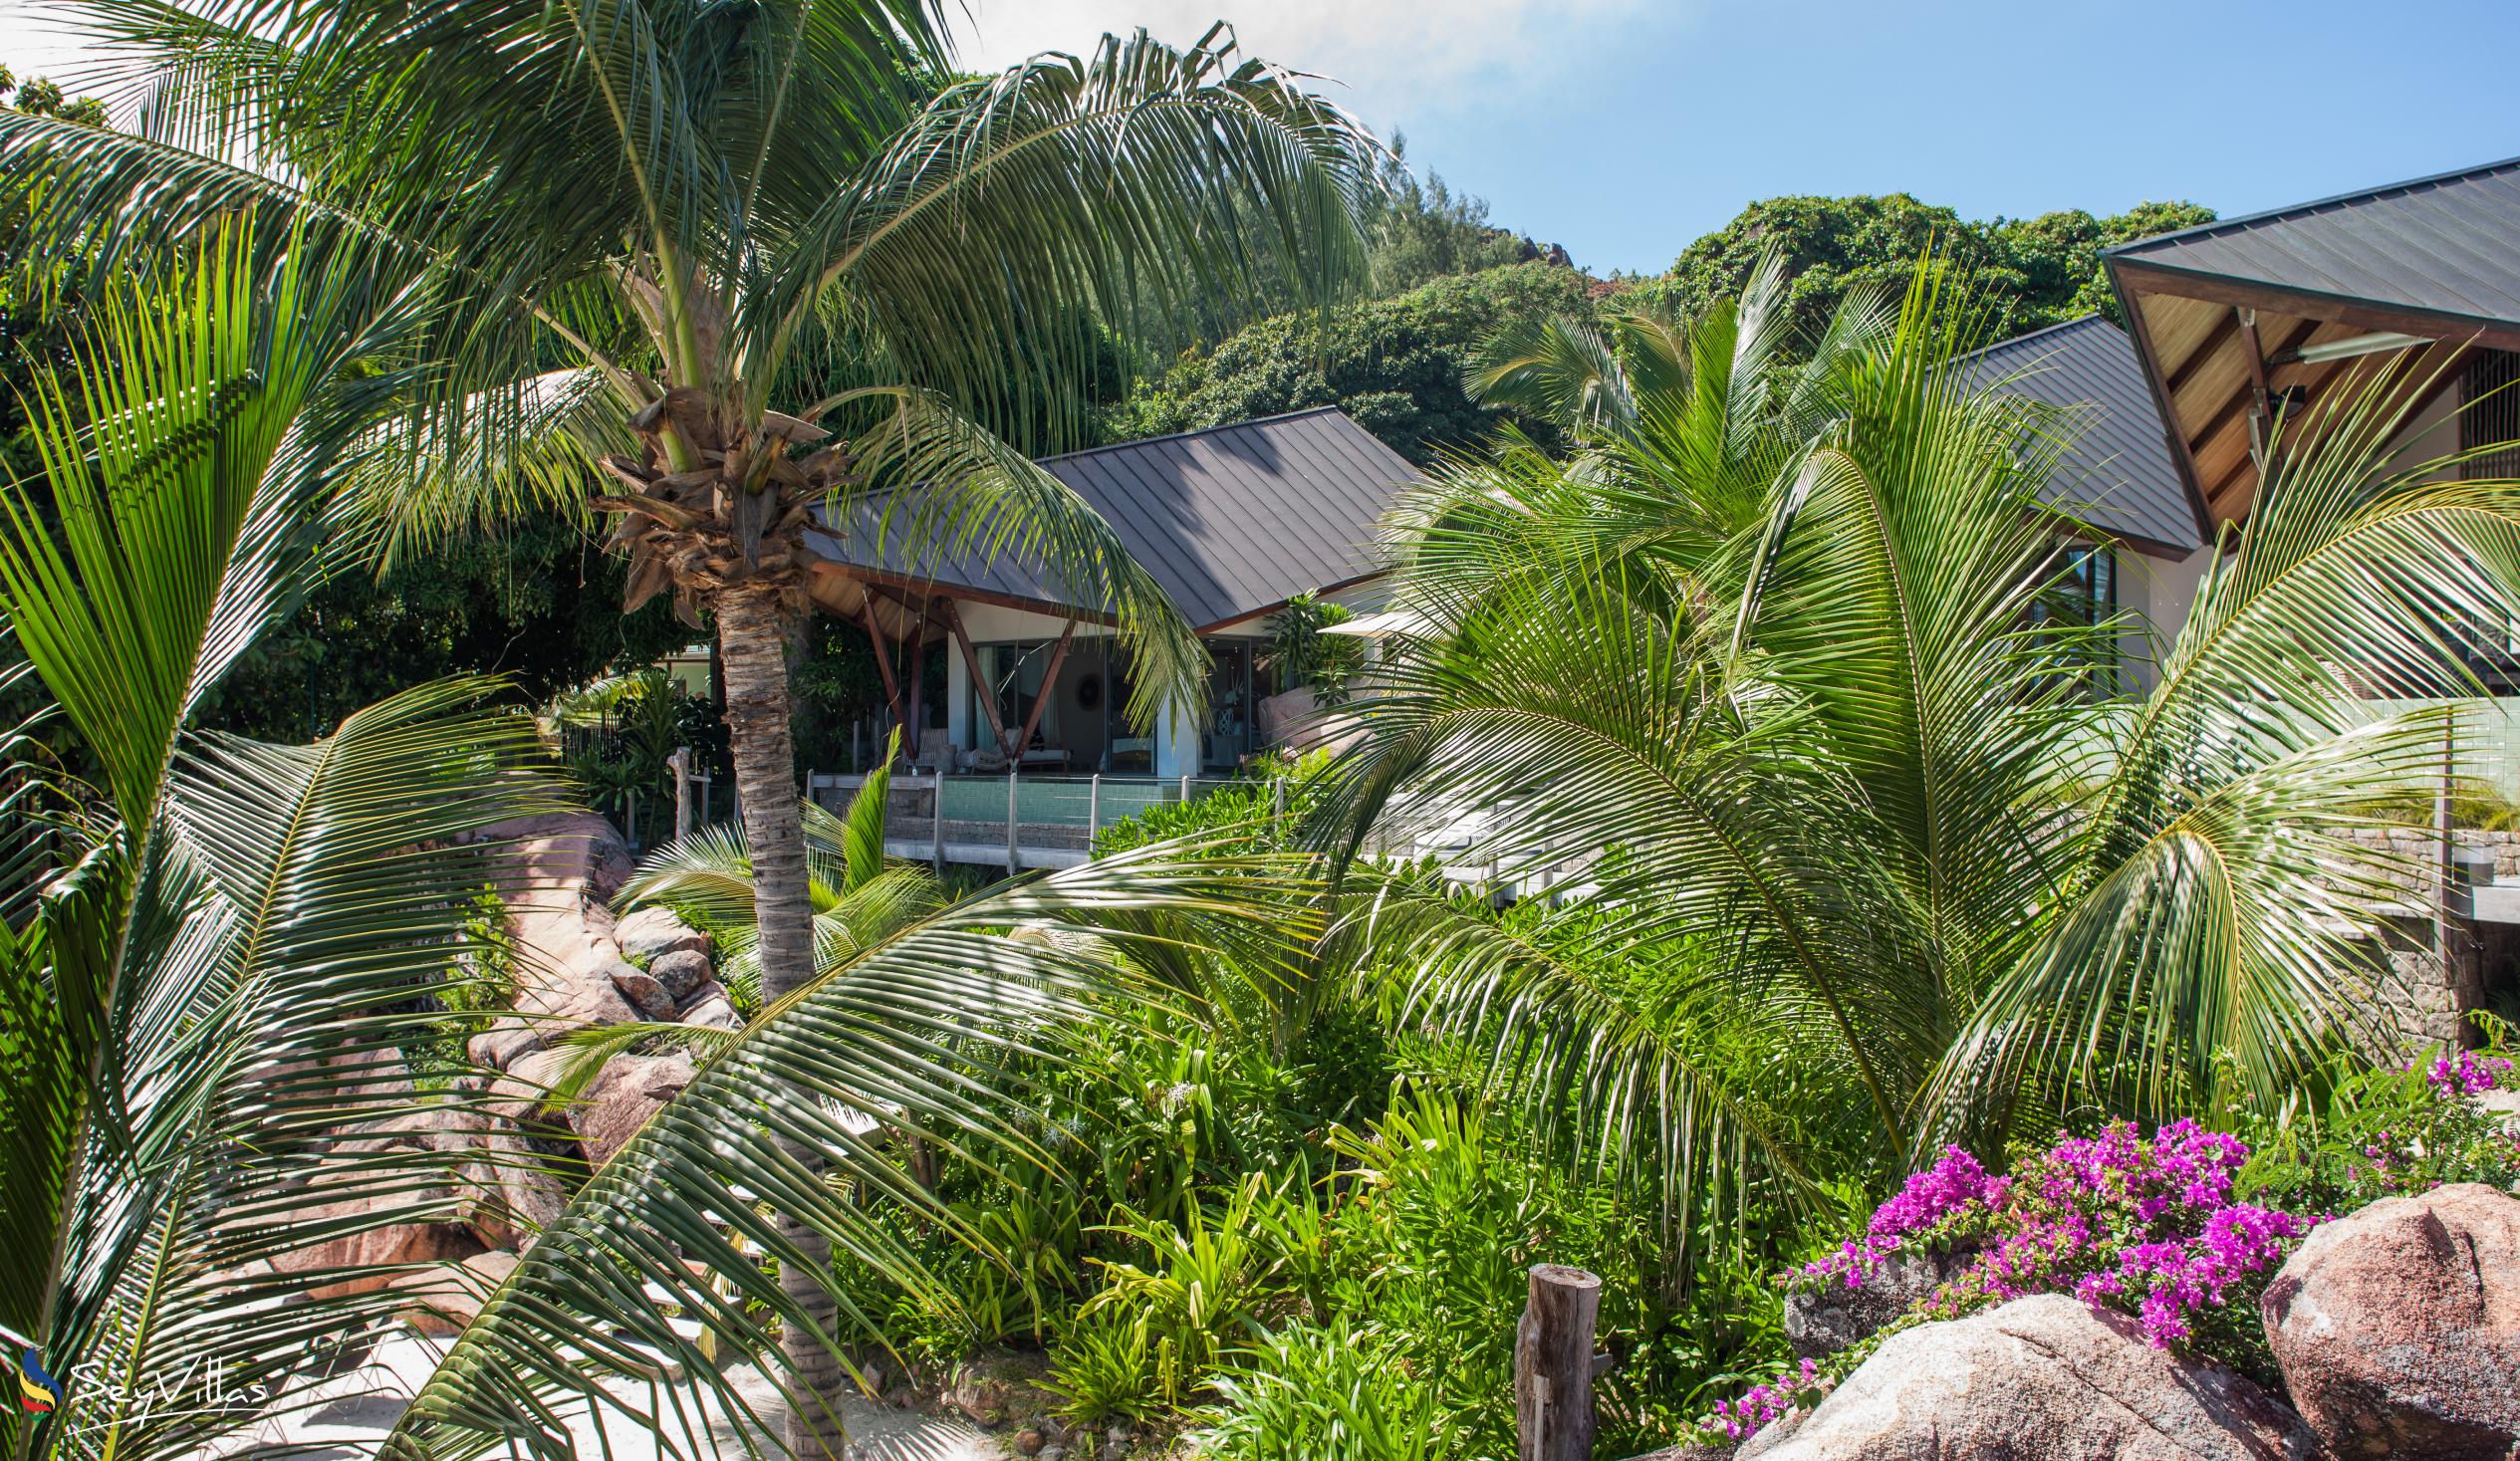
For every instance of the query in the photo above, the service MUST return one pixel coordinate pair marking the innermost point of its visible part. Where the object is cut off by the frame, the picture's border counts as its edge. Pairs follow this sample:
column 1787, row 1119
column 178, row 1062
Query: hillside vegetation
column 1446, row 280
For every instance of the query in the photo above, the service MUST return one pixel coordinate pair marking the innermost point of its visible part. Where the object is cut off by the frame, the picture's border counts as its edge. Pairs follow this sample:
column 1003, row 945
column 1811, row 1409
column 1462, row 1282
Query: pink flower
column 2468, row 1074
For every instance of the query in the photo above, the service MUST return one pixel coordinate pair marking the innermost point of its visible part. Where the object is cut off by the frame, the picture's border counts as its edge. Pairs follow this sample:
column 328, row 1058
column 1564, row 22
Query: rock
column 2504, row 1104
column 556, row 875
column 1821, row 1321
column 1054, row 1452
column 1028, row 1442
column 377, row 1242
column 507, row 1041
column 571, row 850
column 523, row 1093
column 2398, row 1326
column 623, row 1096
column 653, row 933
column 645, row 993
column 514, row 1188
column 2038, row 1379
column 713, row 1008
column 682, row 973
column 441, row 1301
column 447, row 1128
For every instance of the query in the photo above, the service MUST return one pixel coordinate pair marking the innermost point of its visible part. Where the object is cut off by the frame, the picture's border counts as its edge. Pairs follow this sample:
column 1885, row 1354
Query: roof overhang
column 2222, row 353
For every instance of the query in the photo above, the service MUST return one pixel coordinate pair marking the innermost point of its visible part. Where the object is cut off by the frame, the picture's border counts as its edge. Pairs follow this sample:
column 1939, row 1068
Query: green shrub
column 1103, row 1370
column 1316, row 1394
column 1204, row 1290
column 2382, row 1132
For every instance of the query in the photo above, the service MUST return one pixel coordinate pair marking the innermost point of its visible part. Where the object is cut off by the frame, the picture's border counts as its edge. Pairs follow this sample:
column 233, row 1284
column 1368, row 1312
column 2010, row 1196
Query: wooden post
column 1553, row 1365
column 2446, row 834
column 882, row 660
column 682, row 762
column 986, row 695
column 1049, row 681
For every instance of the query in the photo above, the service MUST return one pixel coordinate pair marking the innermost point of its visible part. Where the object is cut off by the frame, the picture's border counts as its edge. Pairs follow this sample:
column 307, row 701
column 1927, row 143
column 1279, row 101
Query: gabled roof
column 1232, row 520
column 2299, row 303
column 2441, row 245
column 2115, row 469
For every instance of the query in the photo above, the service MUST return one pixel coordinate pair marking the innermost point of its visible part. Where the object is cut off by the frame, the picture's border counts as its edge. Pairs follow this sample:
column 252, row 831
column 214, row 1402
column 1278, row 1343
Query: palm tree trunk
column 752, row 635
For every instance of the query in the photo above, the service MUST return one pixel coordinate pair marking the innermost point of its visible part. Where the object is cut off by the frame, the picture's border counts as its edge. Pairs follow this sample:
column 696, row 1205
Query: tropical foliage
column 2023, row 272
column 1777, row 653
column 747, row 263
column 215, row 983
column 1396, row 364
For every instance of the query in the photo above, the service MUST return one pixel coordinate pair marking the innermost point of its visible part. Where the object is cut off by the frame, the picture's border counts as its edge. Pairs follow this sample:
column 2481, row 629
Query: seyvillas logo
column 38, row 1391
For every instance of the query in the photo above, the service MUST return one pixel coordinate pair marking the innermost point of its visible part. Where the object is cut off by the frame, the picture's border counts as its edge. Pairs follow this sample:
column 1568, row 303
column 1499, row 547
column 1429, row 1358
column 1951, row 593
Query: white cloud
column 1396, row 59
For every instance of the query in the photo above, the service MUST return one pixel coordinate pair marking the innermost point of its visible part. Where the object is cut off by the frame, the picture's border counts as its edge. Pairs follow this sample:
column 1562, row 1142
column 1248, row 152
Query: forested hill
column 1447, row 279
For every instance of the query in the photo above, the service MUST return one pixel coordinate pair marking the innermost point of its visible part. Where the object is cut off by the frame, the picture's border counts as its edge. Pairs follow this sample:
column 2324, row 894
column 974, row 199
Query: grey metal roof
column 1232, row 519
column 2443, row 244
column 2115, row 469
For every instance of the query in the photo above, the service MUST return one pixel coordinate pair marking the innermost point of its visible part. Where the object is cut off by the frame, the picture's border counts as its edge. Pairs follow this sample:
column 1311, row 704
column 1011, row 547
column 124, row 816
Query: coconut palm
column 208, row 992
column 748, row 259
column 1799, row 715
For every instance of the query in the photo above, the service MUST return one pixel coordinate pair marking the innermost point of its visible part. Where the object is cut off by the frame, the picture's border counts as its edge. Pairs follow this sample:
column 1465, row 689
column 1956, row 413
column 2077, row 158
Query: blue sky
column 1623, row 128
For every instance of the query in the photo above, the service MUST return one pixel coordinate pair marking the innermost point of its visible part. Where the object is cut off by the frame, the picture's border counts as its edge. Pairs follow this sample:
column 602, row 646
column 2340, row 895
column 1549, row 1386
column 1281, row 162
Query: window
column 2083, row 592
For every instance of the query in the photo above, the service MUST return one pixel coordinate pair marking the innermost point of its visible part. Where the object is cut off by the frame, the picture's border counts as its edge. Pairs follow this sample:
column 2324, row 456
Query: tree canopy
column 1396, row 364
column 1446, row 281
column 2024, row 273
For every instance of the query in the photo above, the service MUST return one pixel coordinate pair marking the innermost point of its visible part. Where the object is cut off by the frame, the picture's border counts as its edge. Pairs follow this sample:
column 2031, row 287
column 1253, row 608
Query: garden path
column 352, row 1411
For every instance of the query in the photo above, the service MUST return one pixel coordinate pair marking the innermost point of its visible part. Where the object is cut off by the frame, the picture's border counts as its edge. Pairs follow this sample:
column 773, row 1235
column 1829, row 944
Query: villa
column 2243, row 322
column 1232, row 520
column 2150, row 537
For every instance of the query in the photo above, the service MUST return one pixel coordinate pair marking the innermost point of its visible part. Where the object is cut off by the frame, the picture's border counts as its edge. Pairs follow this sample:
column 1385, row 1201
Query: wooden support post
column 680, row 760
column 882, row 659
column 1049, row 681
column 986, row 694
column 1553, row 1365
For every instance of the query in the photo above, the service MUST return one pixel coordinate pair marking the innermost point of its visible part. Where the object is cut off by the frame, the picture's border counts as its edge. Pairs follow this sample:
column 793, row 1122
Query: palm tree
column 1866, row 862
column 207, row 999
column 859, row 897
column 778, row 258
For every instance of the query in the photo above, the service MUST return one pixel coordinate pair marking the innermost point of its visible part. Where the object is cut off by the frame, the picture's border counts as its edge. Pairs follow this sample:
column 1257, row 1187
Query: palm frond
column 1102, row 182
